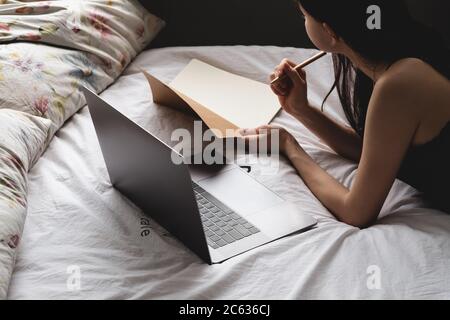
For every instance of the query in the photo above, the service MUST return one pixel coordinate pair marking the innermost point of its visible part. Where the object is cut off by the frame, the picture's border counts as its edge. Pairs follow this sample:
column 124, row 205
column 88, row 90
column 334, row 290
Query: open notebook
column 224, row 101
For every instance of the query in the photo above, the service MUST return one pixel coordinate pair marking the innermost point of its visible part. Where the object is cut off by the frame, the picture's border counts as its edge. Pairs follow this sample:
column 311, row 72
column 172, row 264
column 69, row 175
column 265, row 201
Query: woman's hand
column 266, row 135
column 292, row 91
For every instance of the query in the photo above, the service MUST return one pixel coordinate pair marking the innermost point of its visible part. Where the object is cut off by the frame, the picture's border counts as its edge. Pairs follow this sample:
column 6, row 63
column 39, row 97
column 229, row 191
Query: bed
column 76, row 221
column 83, row 240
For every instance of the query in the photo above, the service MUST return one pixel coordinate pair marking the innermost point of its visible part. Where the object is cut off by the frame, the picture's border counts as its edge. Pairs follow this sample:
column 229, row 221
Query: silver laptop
column 216, row 211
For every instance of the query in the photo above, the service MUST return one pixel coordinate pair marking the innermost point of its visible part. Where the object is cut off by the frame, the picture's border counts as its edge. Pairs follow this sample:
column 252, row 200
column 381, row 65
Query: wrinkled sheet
column 83, row 240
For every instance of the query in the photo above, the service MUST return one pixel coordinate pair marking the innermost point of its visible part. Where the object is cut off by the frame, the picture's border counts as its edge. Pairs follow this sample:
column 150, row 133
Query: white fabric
column 77, row 222
column 22, row 138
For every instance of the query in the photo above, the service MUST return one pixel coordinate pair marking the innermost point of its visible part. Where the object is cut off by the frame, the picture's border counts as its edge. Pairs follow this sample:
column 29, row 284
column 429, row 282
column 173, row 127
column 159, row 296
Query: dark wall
column 257, row 22
column 230, row 22
column 435, row 13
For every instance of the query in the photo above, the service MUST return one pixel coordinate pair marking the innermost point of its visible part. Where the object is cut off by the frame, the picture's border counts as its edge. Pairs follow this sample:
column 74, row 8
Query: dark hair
column 399, row 37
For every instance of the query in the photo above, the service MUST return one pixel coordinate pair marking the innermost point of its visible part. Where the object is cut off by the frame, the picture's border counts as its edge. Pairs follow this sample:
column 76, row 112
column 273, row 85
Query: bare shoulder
column 398, row 94
column 413, row 75
column 403, row 81
column 405, row 74
column 413, row 83
column 414, row 96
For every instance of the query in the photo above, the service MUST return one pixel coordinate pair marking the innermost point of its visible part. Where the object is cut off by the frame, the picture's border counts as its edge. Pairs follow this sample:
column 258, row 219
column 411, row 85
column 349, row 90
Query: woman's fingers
column 288, row 65
column 278, row 93
column 255, row 132
column 252, row 139
column 261, row 139
column 266, row 129
column 289, row 62
column 277, row 90
column 294, row 75
column 247, row 132
column 283, row 86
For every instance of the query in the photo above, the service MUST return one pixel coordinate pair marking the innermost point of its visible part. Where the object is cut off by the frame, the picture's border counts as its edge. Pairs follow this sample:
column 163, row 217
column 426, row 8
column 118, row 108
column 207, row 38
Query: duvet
column 84, row 240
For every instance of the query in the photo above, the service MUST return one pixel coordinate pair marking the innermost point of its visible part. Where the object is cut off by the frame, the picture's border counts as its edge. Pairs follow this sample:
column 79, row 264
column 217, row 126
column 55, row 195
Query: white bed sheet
column 76, row 221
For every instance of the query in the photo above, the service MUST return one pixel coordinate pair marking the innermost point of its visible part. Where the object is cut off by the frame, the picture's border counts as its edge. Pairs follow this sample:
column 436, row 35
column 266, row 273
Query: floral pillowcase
column 59, row 45
column 48, row 49
column 22, row 137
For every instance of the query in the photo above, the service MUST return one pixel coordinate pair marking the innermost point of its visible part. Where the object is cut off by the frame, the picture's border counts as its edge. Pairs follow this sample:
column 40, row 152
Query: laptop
column 218, row 212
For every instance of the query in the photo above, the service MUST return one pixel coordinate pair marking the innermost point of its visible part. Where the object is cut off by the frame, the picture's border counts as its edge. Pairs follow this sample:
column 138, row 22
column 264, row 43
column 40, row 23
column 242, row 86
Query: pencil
column 302, row 65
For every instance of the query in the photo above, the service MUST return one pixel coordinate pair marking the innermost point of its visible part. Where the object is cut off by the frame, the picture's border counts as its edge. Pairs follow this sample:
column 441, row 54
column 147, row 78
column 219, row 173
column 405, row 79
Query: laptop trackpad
column 240, row 192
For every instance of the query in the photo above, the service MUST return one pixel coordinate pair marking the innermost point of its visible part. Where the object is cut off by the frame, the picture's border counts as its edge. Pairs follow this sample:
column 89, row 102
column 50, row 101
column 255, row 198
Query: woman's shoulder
column 404, row 87
column 415, row 88
column 402, row 77
column 412, row 73
column 413, row 78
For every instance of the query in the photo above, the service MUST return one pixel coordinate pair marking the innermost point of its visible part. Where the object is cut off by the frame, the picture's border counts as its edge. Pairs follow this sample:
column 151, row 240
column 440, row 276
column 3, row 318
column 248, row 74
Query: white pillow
column 22, row 138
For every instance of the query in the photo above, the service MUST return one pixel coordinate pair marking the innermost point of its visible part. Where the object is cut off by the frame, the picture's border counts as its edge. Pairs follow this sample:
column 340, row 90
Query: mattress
column 84, row 240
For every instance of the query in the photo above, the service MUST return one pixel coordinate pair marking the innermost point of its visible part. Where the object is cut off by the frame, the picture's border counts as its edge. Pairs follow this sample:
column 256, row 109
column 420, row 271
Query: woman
column 394, row 86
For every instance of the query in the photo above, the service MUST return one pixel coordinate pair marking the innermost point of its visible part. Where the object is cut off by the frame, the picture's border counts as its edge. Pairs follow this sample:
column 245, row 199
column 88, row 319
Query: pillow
column 65, row 44
column 53, row 48
column 22, row 137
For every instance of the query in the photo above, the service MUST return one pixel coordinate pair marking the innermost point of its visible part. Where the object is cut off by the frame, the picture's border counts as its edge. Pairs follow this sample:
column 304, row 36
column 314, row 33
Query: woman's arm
column 390, row 128
column 343, row 140
column 293, row 98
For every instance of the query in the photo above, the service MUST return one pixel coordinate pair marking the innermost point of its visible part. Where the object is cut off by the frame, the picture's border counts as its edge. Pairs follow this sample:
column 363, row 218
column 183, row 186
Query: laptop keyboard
column 222, row 225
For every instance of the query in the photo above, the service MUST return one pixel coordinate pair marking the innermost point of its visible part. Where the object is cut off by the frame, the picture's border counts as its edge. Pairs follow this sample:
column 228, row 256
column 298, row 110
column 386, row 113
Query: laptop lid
column 140, row 166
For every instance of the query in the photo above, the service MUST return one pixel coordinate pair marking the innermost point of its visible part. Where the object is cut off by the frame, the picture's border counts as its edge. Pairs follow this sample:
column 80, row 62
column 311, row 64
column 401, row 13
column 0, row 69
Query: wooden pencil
column 302, row 65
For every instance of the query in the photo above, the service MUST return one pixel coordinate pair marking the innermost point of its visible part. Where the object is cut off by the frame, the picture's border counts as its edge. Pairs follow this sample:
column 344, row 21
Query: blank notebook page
column 241, row 101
